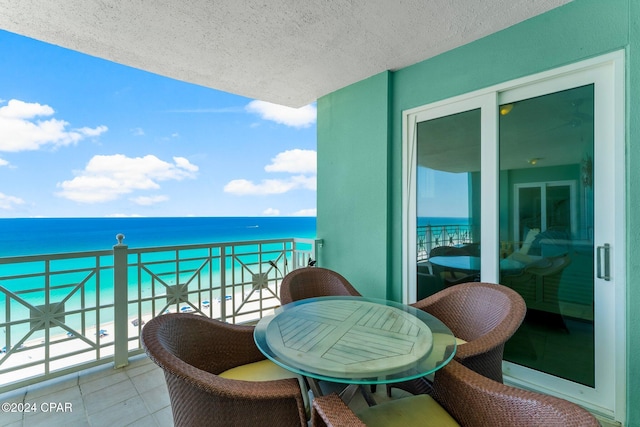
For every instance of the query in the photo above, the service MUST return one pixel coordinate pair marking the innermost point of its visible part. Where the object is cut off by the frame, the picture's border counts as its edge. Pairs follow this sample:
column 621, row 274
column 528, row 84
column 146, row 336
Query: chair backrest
column 485, row 315
column 310, row 282
column 192, row 350
column 472, row 400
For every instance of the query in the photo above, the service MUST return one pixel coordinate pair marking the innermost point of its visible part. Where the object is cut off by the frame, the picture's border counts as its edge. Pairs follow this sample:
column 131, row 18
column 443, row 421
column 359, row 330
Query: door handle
column 606, row 251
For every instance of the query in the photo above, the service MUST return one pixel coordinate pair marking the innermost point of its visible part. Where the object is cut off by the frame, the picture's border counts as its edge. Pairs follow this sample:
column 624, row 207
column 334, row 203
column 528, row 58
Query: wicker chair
column 310, row 282
column 460, row 397
column 193, row 350
column 484, row 316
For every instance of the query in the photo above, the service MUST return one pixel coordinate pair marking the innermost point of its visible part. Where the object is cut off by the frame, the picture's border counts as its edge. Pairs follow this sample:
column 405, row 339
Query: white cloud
column 21, row 128
column 9, row 202
column 3, row 162
column 93, row 132
column 106, row 178
column 149, row 200
column 243, row 187
column 294, row 161
column 306, row 182
column 183, row 163
column 271, row 212
column 305, row 212
column 137, row 132
column 295, row 117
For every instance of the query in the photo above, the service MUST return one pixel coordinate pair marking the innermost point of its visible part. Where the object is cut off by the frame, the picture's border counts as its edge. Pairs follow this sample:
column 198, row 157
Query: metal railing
column 432, row 236
column 63, row 313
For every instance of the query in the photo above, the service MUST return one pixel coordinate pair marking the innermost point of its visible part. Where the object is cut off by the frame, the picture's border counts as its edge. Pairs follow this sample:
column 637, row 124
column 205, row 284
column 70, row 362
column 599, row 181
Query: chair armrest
column 331, row 411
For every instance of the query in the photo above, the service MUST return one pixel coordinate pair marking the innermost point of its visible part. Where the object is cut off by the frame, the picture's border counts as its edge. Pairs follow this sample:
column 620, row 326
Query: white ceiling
column 288, row 52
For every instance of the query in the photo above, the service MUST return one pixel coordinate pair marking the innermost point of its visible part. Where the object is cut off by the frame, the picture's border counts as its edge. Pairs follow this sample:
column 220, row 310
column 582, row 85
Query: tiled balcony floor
column 132, row 396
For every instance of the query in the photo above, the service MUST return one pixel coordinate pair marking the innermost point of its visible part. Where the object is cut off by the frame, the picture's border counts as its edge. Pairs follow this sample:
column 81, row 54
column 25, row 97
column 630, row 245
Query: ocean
column 42, row 236
column 37, row 236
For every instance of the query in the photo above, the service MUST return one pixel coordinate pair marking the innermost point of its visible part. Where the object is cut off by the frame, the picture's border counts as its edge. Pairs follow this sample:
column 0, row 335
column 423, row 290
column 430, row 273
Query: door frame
column 608, row 400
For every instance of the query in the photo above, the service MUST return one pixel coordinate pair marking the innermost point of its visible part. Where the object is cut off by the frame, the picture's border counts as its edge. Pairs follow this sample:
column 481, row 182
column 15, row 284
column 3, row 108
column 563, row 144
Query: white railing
column 432, row 236
column 65, row 312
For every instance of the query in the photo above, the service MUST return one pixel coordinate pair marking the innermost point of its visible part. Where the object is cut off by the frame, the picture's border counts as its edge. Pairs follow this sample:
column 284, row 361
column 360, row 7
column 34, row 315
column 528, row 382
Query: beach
column 65, row 351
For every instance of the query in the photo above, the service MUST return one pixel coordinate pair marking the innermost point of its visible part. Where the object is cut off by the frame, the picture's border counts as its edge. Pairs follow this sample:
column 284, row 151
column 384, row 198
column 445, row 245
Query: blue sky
column 85, row 137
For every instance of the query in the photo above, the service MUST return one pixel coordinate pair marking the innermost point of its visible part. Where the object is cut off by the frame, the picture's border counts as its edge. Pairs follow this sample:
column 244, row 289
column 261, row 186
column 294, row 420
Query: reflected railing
column 63, row 313
column 432, row 236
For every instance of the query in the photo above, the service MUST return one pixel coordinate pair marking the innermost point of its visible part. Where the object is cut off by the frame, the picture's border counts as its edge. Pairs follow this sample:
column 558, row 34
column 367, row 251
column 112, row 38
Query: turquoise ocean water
column 41, row 236
column 36, row 236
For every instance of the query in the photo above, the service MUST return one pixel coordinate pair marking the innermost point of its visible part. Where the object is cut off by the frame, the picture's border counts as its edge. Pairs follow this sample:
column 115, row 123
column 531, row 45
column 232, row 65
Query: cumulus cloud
column 271, row 212
column 149, row 200
column 22, row 128
column 244, row 187
column 295, row 117
column 9, row 202
column 107, row 178
column 294, row 161
column 3, row 162
column 302, row 162
column 305, row 212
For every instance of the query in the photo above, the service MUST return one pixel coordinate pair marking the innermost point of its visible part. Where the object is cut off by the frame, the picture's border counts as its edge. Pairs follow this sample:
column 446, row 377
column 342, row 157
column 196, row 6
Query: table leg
column 314, row 386
column 368, row 397
column 347, row 393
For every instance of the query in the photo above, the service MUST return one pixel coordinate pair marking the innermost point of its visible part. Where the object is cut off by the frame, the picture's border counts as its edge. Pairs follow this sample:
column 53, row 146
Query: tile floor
column 132, row 396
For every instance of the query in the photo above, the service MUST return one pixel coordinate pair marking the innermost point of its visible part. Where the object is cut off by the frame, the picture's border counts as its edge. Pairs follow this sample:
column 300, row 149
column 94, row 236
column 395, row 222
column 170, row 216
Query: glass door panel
column 546, row 147
column 448, row 201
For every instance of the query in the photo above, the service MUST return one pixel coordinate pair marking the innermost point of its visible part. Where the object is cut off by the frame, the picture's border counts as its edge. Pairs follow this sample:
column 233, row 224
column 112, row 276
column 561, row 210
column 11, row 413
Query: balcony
column 432, row 236
column 66, row 313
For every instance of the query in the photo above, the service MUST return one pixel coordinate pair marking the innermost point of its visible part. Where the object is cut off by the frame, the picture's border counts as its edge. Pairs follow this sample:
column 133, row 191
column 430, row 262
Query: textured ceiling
column 287, row 52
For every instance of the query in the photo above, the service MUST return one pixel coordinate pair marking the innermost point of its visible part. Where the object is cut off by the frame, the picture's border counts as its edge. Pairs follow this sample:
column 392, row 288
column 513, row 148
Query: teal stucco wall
column 360, row 142
column 353, row 196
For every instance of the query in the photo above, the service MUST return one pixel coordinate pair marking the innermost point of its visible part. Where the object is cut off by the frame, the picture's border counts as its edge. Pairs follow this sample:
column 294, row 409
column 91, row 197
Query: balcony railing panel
column 66, row 312
column 432, row 236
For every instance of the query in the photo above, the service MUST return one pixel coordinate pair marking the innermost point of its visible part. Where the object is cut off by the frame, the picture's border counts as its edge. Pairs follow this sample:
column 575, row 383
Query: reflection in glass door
column 448, row 201
column 546, row 148
column 551, row 156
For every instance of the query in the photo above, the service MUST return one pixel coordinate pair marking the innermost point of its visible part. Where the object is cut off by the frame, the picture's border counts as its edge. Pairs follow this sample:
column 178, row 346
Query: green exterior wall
column 353, row 195
column 360, row 142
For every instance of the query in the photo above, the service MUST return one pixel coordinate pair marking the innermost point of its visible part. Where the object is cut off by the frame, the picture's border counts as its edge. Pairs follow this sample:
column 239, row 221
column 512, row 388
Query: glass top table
column 471, row 264
column 355, row 340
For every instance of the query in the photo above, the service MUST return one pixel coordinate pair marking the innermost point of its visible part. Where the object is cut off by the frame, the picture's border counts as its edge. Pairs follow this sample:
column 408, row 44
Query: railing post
column 120, row 303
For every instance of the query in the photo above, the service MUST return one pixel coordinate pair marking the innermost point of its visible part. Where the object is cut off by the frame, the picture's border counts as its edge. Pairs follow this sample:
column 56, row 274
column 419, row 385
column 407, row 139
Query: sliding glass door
column 520, row 185
column 448, row 199
column 546, row 163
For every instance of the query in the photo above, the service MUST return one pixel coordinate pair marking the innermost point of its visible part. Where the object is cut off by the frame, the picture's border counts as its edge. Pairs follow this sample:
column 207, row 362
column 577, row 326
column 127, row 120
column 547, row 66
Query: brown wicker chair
column 192, row 350
column 467, row 397
column 310, row 282
column 484, row 315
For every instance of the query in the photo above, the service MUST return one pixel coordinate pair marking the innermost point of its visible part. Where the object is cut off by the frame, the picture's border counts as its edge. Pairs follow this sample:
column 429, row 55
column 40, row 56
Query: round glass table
column 355, row 340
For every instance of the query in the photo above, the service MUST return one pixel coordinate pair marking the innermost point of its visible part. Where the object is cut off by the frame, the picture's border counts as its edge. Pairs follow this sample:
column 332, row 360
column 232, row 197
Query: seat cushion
column 420, row 410
column 266, row 370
